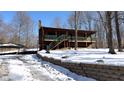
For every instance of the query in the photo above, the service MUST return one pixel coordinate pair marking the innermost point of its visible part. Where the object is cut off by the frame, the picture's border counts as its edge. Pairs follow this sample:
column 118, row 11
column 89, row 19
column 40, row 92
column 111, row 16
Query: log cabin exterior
column 55, row 38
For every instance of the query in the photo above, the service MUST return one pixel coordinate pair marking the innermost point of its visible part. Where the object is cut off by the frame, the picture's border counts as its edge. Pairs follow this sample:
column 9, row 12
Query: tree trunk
column 118, row 31
column 109, row 25
column 76, row 43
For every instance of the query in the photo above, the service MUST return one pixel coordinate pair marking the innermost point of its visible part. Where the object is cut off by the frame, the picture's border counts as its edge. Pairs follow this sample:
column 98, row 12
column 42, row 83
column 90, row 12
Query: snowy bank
column 94, row 56
column 93, row 63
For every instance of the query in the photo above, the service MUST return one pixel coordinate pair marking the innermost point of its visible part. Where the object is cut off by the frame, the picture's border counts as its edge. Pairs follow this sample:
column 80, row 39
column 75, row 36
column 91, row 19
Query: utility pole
column 76, row 44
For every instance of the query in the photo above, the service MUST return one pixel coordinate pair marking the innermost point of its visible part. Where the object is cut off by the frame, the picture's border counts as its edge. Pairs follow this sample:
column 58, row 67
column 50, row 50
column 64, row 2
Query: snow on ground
column 56, row 72
column 32, row 49
column 84, row 55
column 30, row 68
column 17, row 71
column 11, row 51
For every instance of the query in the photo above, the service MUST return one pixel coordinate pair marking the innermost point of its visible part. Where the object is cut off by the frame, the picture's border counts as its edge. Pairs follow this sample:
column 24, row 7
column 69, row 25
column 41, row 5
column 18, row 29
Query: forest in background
column 19, row 31
column 109, row 27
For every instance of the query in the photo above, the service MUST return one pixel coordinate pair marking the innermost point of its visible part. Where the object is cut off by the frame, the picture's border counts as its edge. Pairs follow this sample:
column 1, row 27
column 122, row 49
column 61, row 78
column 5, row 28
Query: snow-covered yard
column 30, row 68
column 94, row 56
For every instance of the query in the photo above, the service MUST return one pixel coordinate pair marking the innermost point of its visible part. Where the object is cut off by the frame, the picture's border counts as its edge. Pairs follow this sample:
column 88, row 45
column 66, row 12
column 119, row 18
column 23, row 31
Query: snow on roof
column 10, row 45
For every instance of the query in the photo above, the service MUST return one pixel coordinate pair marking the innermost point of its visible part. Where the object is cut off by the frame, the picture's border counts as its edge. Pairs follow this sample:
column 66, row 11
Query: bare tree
column 118, row 31
column 103, row 29
column 24, row 25
column 109, row 26
column 71, row 20
column 5, row 31
column 100, row 35
column 1, row 30
column 57, row 22
column 85, row 20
